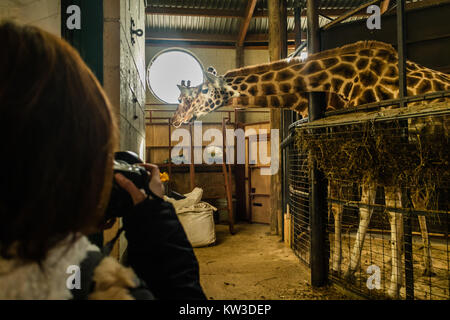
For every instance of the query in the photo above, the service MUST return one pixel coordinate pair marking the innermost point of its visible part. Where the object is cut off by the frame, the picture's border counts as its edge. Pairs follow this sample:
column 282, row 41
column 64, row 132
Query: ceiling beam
column 207, row 37
column 246, row 22
column 348, row 14
column 189, row 36
column 290, row 13
column 218, row 13
column 213, row 13
column 384, row 6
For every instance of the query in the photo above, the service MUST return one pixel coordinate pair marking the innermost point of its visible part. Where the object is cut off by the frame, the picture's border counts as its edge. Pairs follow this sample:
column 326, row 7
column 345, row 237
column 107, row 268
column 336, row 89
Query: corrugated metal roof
column 217, row 25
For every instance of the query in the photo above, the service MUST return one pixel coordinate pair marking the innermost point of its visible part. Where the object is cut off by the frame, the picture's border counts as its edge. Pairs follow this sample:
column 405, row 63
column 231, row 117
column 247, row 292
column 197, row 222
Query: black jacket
column 160, row 253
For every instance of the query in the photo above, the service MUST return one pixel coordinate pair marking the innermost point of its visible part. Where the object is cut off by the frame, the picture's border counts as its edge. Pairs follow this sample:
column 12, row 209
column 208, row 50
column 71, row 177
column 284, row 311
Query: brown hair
column 58, row 135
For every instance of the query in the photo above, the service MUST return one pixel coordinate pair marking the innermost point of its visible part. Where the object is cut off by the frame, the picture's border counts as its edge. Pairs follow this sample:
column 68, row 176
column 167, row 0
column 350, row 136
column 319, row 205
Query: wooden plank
column 349, row 14
column 246, row 22
column 261, row 209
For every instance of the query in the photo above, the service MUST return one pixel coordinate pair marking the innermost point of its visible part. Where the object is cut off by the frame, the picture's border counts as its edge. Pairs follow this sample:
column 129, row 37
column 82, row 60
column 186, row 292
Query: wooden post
column 239, row 169
column 318, row 196
column 227, row 178
column 277, row 51
column 191, row 163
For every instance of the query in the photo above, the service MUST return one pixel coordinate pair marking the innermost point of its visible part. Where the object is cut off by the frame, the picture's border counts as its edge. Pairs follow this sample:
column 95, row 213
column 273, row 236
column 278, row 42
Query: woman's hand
column 155, row 184
column 137, row 195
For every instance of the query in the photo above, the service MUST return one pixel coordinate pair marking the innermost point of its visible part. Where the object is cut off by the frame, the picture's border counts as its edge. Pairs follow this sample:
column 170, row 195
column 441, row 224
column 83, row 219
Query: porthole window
column 168, row 68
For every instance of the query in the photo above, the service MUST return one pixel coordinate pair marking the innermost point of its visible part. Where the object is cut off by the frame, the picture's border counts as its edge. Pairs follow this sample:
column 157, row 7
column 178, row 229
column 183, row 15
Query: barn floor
column 254, row 265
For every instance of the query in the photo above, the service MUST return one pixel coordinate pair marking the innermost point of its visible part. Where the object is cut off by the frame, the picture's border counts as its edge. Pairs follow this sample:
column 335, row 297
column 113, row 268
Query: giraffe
column 355, row 74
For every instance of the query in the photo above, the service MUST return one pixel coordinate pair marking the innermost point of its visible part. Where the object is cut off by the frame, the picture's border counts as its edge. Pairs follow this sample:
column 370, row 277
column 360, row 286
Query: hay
column 411, row 154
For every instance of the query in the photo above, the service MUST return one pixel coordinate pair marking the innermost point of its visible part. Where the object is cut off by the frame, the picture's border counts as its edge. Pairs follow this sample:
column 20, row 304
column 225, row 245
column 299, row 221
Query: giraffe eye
column 205, row 91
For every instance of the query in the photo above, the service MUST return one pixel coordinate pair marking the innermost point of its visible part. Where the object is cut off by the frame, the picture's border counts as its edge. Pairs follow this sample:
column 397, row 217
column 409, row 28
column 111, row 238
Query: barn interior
column 279, row 205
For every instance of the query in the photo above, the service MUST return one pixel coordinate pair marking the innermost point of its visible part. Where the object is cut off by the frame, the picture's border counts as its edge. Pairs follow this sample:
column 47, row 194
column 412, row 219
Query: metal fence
column 299, row 190
column 388, row 200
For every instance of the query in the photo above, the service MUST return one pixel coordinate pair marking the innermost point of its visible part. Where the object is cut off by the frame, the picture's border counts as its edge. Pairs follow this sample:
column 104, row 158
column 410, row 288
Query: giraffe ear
column 214, row 80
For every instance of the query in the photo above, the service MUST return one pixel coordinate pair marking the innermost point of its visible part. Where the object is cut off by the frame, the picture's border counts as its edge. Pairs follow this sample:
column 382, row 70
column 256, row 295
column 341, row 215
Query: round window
column 168, row 68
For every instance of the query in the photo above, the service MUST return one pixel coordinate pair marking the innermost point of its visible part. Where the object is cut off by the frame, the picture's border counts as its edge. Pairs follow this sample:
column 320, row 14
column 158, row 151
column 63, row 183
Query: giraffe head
column 195, row 102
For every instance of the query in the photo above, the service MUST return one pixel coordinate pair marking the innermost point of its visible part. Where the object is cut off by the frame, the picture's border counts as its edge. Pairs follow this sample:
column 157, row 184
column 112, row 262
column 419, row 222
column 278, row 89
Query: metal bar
column 409, row 267
column 381, row 119
column 298, row 50
column 405, row 211
column 390, row 102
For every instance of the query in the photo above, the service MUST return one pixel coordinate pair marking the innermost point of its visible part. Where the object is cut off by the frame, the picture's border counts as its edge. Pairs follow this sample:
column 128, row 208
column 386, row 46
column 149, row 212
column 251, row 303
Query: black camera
column 120, row 201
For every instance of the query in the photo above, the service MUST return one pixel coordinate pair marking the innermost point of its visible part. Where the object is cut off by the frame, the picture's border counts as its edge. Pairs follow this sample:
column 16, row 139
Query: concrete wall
column 45, row 14
column 124, row 73
column 124, row 70
column 222, row 60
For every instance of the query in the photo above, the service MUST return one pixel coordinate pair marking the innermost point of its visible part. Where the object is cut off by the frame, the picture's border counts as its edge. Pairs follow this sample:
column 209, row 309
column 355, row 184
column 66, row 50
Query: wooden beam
column 349, row 14
column 217, row 13
column 188, row 36
column 277, row 50
column 261, row 37
column 194, row 12
column 246, row 22
column 207, row 37
column 291, row 13
column 384, row 6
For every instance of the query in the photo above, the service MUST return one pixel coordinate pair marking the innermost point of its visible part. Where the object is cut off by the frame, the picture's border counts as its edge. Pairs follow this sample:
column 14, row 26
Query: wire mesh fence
column 388, row 208
column 299, row 189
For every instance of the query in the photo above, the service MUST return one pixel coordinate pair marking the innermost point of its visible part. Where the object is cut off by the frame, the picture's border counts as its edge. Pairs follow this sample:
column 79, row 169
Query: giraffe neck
column 352, row 75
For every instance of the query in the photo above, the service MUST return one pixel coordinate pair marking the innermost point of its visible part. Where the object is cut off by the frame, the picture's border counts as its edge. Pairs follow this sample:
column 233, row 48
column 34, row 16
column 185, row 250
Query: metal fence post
column 407, row 232
column 318, row 208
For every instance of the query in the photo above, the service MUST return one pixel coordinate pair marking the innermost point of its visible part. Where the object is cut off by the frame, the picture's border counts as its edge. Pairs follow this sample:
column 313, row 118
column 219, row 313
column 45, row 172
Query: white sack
column 192, row 198
column 198, row 223
column 196, row 218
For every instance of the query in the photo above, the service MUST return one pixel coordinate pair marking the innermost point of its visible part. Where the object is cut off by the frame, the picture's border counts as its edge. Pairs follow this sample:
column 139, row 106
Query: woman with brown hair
column 56, row 171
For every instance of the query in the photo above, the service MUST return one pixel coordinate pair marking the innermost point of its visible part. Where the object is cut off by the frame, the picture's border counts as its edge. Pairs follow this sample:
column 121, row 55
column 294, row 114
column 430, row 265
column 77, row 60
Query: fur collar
column 30, row 282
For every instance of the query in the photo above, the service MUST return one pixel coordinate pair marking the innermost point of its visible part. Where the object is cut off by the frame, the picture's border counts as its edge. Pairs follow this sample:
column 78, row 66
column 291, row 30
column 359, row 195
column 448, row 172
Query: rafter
column 246, row 22
column 349, row 14
column 207, row 37
column 194, row 12
column 216, row 13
